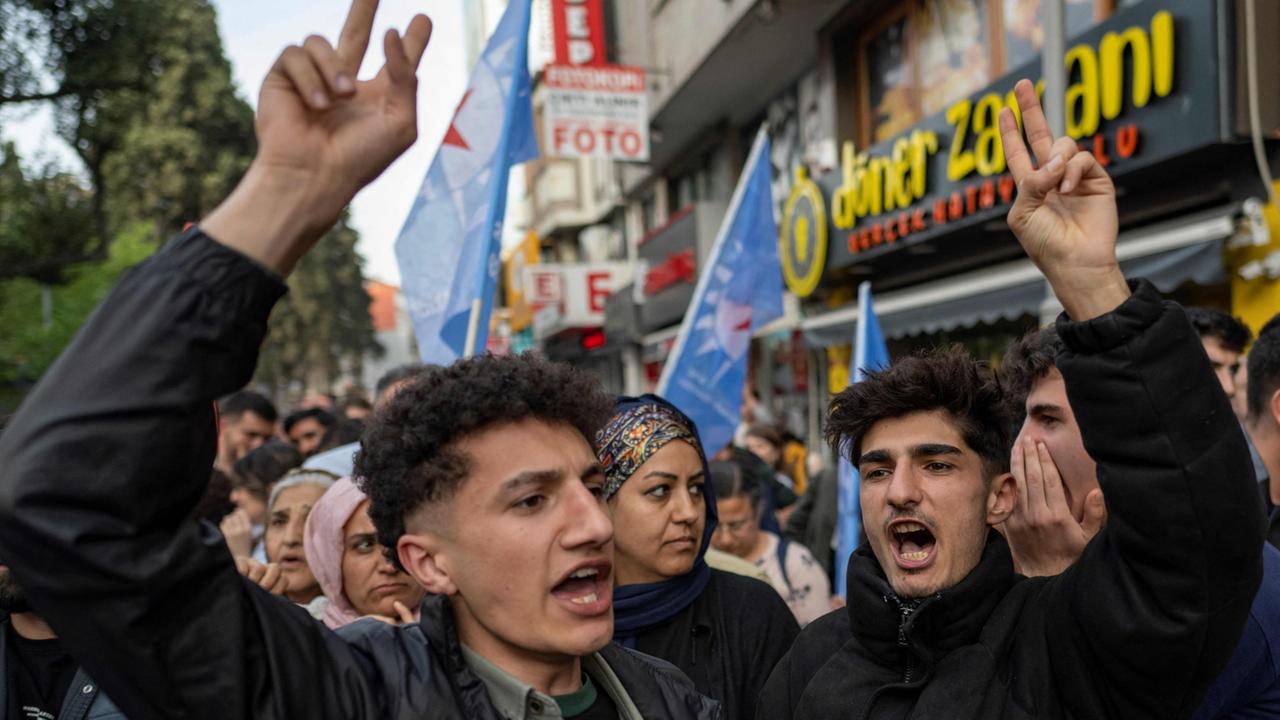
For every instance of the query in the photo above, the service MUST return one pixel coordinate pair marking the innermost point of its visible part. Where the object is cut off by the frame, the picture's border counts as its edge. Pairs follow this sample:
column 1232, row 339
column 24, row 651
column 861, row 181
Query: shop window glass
column 890, row 80
column 953, row 50
column 1024, row 32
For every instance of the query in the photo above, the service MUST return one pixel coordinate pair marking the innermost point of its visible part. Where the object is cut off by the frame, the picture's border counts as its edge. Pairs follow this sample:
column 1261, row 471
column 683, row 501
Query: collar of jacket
column 949, row 620
column 436, row 622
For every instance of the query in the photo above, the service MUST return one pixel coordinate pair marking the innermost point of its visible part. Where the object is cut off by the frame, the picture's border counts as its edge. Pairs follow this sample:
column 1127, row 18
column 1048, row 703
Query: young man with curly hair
column 938, row 624
column 481, row 474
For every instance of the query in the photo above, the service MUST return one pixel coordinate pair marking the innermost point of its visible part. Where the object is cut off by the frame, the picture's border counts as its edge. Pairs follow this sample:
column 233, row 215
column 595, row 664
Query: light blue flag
column 869, row 354
column 739, row 291
column 448, row 248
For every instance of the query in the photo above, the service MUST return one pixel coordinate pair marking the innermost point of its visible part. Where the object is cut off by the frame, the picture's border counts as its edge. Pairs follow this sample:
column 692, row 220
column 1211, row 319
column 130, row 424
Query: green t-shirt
column 587, row 703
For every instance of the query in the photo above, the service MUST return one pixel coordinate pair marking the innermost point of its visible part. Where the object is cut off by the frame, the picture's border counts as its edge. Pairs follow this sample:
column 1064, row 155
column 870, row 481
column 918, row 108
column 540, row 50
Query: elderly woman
column 725, row 631
column 351, row 566
column 290, row 502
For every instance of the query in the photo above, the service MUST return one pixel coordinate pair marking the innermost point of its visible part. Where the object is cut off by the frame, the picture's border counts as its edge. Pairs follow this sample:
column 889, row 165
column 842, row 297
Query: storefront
column 917, row 204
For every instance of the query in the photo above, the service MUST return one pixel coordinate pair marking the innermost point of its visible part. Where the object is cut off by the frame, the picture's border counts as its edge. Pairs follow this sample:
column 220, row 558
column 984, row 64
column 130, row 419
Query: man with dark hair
column 938, row 624
column 1049, row 530
column 306, row 429
column 246, row 420
column 1224, row 339
column 1263, row 421
column 112, row 451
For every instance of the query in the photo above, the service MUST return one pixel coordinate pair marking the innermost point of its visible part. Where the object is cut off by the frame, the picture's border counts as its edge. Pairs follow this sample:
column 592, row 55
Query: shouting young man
column 938, row 624
column 481, row 478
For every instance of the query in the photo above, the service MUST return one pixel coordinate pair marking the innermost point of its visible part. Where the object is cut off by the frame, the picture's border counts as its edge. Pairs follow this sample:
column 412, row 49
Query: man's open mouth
column 913, row 544
column 588, row 589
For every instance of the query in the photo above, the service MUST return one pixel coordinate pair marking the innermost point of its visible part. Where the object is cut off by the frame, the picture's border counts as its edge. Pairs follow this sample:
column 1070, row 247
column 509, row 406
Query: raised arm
column 1160, row 595
column 102, row 465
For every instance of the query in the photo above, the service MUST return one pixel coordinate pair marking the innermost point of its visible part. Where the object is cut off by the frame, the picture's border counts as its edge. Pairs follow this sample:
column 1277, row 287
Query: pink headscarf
column 324, row 544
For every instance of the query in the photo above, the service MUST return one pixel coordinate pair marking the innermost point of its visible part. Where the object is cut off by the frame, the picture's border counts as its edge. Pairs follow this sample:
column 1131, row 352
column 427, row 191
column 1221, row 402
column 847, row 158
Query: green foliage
column 43, row 217
column 142, row 91
column 27, row 346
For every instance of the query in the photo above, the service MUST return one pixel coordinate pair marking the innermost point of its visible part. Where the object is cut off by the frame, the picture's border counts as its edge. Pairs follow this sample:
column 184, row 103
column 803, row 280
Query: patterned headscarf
column 639, row 428
column 634, row 435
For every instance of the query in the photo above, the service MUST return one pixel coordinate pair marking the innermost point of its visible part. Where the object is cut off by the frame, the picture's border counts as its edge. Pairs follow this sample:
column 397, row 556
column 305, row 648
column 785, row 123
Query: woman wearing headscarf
column 725, row 631
column 351, row 566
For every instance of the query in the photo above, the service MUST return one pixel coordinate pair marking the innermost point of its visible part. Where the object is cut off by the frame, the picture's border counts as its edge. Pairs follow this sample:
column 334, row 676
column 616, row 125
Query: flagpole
column 859, row 332
column 473, row 328
column 686, row 325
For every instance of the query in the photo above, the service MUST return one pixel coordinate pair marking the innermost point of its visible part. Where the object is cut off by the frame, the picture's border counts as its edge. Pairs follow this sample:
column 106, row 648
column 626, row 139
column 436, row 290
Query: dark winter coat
column 1137, row 628
column 98, row 474
column 727, row 641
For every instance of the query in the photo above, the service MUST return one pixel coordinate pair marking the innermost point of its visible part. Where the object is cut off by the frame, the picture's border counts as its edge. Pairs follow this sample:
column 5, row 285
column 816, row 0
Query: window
column 927, row 54
column 1024, row 33
column 955, row 57
column 891, row 103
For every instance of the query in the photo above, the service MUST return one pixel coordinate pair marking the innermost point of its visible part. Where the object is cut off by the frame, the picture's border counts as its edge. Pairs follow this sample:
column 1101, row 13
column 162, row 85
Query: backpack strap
column 783, row 544
column 80, row 696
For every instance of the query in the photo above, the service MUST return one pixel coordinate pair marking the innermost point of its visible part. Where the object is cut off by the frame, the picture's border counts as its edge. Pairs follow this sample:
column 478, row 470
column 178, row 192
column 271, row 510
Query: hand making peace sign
column 1065, row 214
column 322, row 136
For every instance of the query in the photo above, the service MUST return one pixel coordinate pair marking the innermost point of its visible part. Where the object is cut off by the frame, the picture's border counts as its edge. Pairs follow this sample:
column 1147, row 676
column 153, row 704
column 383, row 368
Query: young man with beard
column 38, row 678
column 493, row 506
column 938, row 625
column 1049, row 530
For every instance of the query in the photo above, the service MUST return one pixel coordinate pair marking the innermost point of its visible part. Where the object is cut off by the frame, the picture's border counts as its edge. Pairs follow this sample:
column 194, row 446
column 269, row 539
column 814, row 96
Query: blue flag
column 739, row 291
column 869, row 353
column 448, row 248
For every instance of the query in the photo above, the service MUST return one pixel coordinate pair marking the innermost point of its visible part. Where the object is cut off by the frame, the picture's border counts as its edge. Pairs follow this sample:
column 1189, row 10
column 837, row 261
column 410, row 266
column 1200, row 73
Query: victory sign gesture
column 1065, row 214
column 322, row 135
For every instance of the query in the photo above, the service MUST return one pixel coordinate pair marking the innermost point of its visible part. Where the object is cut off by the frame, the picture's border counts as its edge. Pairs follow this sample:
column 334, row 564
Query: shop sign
column 578, row 29
column 1130, row 100
column 596, row 111
column 576, row 292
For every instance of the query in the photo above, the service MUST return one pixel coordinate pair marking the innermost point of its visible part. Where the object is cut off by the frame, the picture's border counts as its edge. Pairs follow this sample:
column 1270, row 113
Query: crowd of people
column 1079, row 533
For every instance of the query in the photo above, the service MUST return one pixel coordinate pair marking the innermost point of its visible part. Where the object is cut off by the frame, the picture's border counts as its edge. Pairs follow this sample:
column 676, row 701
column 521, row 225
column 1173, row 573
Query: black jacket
column 98, row 474
column 1137, row 628
column 727, row 641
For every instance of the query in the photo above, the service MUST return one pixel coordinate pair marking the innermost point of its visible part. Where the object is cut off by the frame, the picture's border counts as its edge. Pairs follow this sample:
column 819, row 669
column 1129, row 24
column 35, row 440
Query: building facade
column 888, row 167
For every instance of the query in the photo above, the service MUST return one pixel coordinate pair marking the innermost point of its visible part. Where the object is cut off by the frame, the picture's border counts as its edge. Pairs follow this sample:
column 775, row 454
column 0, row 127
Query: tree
column 322, row 328
column 43, row 217
column 28, row 346
column 143, row 93
column 193, row 135
column 50, row 49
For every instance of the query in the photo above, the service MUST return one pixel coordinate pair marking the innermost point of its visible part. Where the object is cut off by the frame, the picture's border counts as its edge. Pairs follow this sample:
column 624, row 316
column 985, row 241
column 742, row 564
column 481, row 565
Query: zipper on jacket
column 905, row 610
